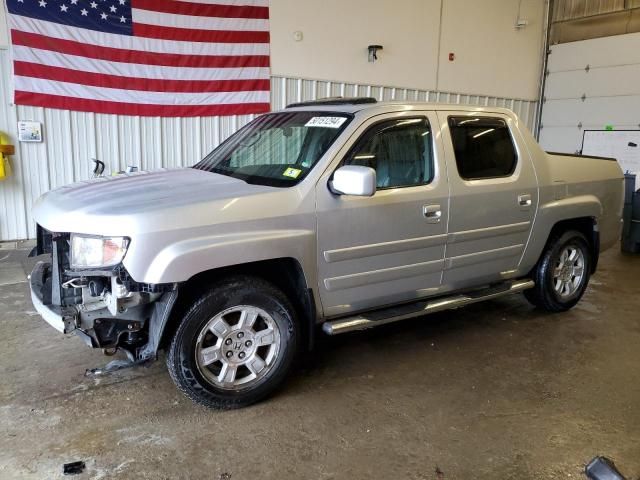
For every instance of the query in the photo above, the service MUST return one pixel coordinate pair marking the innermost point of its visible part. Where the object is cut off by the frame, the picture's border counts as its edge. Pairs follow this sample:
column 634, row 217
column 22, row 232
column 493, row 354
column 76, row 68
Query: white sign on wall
column 29, row 131
column 623, row 145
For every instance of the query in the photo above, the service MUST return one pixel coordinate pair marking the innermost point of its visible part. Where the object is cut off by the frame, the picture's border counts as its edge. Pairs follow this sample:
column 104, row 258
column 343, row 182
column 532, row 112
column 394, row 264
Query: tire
column 235, row 345
column 558, row 285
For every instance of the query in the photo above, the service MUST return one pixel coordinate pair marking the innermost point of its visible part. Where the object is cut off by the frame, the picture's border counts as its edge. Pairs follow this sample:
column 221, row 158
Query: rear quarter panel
column 575, row 187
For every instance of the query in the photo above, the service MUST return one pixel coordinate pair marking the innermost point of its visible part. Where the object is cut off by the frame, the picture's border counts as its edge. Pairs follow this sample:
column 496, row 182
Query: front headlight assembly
column 97, row 252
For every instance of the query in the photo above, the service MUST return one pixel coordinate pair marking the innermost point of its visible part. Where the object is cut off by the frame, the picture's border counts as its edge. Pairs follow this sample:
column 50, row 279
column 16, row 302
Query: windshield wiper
column 226, row 172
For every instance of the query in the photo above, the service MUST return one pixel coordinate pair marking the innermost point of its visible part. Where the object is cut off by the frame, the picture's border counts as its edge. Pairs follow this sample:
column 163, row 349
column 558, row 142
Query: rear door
column 388, row 248
column 494, row 197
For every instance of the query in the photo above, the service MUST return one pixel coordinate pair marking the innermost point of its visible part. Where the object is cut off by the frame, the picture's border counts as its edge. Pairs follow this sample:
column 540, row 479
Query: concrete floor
column 496, row 390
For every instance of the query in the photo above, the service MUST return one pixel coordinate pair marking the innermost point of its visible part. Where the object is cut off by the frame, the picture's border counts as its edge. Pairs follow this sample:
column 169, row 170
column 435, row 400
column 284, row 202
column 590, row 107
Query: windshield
column 278, row 149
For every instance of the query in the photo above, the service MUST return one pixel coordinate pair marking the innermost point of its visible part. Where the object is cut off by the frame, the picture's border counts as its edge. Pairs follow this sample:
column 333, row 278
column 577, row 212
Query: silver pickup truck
column 329, row 216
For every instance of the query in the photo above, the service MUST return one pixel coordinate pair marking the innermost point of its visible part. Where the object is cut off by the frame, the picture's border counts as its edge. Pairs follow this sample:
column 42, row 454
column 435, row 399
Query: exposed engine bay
column 104, row 306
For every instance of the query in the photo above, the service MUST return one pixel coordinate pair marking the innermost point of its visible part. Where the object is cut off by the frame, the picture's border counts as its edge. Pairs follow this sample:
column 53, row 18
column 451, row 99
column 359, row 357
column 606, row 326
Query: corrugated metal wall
column 574, row 9
column 13, row 220
column 71, row 139
column 574, row 20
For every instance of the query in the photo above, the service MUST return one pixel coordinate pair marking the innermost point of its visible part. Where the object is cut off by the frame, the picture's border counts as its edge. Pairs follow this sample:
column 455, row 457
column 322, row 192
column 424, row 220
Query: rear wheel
column 235, row 345
column 562, row 274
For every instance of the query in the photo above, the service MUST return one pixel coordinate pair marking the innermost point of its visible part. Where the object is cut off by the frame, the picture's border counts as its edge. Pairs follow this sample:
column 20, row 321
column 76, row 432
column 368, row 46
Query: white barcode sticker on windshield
column 326, row 122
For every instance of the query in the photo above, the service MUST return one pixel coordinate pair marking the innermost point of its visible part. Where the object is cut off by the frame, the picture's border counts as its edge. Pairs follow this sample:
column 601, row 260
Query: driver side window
column 400, row 151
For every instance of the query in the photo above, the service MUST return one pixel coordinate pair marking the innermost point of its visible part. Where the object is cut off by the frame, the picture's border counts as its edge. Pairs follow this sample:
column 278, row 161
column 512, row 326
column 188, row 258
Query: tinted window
column 483, row 147
column 398, row 150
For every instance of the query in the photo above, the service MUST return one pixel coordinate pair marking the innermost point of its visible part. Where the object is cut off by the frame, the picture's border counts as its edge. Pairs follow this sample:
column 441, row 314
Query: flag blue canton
column 110, row 16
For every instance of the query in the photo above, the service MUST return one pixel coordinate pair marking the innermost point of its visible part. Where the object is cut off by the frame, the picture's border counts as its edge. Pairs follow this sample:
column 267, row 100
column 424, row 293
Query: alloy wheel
column 568, row 273
column 237, row 347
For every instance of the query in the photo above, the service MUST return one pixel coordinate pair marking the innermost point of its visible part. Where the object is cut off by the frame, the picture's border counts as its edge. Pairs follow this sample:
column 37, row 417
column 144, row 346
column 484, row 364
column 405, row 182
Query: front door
column 494, row 197
column 388, row 248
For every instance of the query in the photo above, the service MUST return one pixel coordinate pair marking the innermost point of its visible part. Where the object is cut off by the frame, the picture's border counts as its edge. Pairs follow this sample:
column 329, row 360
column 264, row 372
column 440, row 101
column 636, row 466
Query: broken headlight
column 97, row 252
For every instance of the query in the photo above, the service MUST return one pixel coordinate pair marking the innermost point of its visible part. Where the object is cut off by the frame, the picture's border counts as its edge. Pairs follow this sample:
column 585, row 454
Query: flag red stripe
column 70, row 47
column 28, row 69
column 202, row 9
column 195, row 35
column 136, row 109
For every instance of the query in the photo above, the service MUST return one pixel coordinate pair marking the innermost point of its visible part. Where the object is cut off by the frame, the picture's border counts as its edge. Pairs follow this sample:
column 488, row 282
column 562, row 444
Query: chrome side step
column 402, row 312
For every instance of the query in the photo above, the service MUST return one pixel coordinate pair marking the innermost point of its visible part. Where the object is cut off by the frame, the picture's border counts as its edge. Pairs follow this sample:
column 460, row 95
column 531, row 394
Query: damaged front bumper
column 106, row 308
column 136, row 328
column 109, row 320
column 63, row 319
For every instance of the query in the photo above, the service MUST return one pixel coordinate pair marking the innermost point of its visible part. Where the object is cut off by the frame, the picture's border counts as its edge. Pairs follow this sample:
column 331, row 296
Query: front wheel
column 235, row 345
column 562, row 274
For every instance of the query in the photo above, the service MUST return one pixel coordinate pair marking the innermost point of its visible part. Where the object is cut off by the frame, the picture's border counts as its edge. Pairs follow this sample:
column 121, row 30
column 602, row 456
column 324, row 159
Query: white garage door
column 592, row 85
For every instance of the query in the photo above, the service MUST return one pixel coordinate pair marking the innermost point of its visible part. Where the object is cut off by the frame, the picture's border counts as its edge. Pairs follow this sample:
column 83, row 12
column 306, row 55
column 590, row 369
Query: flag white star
column 84, row 12
column 93, row 5
column 74, row 2
column 20, row 1
column 103, row 16
column 42, row 3
column 122, row 2
column 63, row 8
column 123, row 20
column 113, row 9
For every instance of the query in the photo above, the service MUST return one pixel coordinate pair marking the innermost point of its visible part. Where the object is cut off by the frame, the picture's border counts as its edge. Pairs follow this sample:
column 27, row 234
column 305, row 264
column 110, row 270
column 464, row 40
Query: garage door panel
column 561, row 139
column 607, row 51
column 561, row 113
column 593, row 113
column 597, row 82
column 611, row 89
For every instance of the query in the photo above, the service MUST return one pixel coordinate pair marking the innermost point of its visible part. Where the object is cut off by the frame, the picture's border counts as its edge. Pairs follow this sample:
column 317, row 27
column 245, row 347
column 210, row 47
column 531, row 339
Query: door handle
column 433, row 213
column 524, row 200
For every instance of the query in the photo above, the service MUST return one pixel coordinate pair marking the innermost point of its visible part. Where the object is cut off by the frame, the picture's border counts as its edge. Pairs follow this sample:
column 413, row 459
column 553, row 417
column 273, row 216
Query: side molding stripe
column 375, row 249
column 362, row 251
column 486, row 256
column 383, row 275
column 467, row 235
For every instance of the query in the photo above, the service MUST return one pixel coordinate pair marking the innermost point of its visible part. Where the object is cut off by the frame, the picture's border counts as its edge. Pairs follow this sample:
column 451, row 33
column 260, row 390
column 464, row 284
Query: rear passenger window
column 483, row 147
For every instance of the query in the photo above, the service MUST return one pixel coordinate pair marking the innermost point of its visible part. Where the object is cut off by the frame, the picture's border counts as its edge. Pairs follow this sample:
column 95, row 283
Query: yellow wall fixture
column 6, row 149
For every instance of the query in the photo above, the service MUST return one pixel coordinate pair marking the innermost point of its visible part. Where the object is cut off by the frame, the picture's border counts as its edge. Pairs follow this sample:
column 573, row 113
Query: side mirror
column 354, row 180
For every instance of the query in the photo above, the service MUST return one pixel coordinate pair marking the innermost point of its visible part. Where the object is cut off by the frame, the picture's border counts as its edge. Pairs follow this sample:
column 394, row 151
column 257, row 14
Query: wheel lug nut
column 241, row 355
column 229, row 354
column 240, row 334
column 248, row 343
column 227, row 341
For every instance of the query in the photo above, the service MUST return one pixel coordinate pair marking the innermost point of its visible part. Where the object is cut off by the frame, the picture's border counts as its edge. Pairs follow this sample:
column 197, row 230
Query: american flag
column 169, row 58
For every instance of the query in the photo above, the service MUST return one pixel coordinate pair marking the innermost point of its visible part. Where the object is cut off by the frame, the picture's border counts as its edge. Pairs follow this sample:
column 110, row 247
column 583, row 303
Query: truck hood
column 142, row 202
